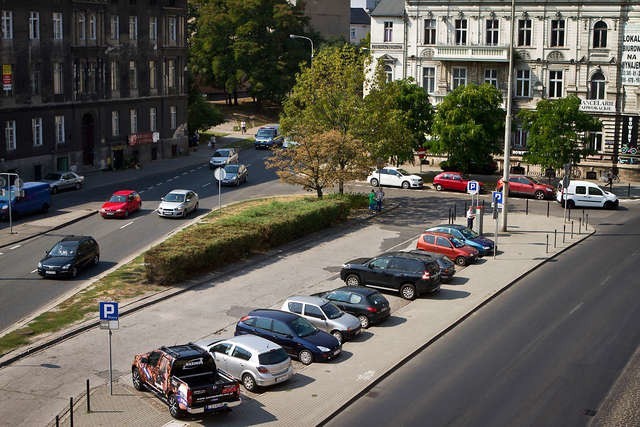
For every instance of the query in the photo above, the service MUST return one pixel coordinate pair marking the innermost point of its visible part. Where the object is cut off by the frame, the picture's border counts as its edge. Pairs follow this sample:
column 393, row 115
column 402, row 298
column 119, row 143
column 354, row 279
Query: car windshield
column 174, row 197
column 265, row 133
column 331, row 310
column 302, row 327
column 64, row 249
column 53, row 176
column 403, row 172
column 221, row 153
column 457, row 242
column 231, row 168
column 535, row 181
column 272, row 357
column 118, row 198
column 469, row 233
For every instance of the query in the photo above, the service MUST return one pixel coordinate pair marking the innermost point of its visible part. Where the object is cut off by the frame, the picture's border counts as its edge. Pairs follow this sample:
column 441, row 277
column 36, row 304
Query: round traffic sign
column 220, row 174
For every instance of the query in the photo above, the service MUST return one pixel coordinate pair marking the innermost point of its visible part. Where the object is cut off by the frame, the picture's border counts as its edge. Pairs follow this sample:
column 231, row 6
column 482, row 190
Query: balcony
column 472, row 53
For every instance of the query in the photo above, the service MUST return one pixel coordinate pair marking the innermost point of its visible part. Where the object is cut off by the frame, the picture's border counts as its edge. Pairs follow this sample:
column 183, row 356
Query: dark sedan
column 368, row 305
column 68, row 256
column 235, row 174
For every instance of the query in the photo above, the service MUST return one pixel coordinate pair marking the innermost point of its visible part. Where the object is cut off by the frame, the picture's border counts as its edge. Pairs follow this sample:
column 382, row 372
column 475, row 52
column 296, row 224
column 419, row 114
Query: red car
column 446, row 244
column 526, row 186
column 454, row 181
column 121, row 204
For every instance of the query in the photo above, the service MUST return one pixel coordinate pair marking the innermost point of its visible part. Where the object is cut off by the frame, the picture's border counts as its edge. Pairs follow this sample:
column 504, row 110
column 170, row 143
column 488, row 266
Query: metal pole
column 579, row 226
column 495, row 237
column 220, row 195
column 572, row 229
column 71, row 411
column 88, row 398
column 507, row 126
column 564, row 231
column 110, row 365
column 526, row 207
column 555, row 236
column 547, row 246
column 547, row 209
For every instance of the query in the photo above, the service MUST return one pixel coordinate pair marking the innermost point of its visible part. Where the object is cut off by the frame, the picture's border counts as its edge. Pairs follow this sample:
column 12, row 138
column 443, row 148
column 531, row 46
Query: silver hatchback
column 324, row 315
column 255, row 361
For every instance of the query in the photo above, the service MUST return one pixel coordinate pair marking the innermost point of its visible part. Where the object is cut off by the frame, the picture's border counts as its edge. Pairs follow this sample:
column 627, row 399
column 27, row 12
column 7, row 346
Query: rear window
column 273, row 357
column 198, row 365
column 377, row 299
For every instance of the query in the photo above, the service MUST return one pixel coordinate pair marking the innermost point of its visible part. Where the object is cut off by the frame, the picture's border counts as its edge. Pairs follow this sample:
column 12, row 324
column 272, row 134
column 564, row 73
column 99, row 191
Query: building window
column 557, row 33
column 597, row 87
column 36, row 131
column 171, row 74
column 133, row 116
column 35, row 79
column 491, row 76
column 10, row 134
column 34, row 25
column 555, row 84
column 59, row 124
column 79, row 77
column 173, row 28
column 429, row 79
column 600, row 34
column 58, row 82
column 153, row 28
column 388, row 31
column 493, row 30
column 153, row 119
column 429, row 31
column 388, row 71
column 595, row 142
column 57, row 26
column 352, row 34
column 173, row 117
column 91, row 77
column 115, row 123
column 133, row 75
column 520, row 139
column 461, row 31
column 524, row 32
column 115, row 76
column 92, row 27
column 133, row 28
column 80, row 26
column 152, row 75
column 459, row 77
column 114, row 27
column 7, row 25
column 523, row 83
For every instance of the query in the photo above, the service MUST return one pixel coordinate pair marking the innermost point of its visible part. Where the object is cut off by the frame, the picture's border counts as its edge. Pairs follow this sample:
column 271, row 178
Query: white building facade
column 589, row 48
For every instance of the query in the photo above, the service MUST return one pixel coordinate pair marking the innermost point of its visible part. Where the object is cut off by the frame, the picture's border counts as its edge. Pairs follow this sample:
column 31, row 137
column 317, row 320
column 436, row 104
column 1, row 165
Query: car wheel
column 174, row 408
column 305, row 357
column 54, row 190
column 408, row 292
column 539, row 195
column 461, row 261
column 405, row 185
column 249, row 383
column 438, row 187
column 126, row 213
column 74, row 271
column 374, row 182
column 352, row 280
column 78, row 186
column 608, row 205
column 364, row 321
column 136, row 380
column 571, row 204
column 337, row 335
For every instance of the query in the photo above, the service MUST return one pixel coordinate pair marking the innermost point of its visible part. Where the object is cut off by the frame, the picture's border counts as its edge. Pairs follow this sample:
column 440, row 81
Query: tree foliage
column 469, row 125
column 556, row 132
column 201, row 114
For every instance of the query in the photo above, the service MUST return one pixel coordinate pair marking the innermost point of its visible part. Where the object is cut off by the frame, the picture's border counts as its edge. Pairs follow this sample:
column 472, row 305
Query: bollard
column 564, row 230
column 526, row 207
column 629, row 190
column 555, row 235
column 572, row 229
column 547, row 209
column 449, row 215
column 71, row 411
column 586, row 222
column 580, row 227
column 88, row 398
column 568, row 214
column 454, row 212
column 546, row 250
column 57, row 420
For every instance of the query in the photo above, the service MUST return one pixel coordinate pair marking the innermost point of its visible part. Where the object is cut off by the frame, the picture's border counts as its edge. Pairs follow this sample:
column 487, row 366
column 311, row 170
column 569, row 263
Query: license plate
column 109, row 213
column 49, row 272
column 337, row 352
column 385, row 309
column 278, row 379
column 215, row 406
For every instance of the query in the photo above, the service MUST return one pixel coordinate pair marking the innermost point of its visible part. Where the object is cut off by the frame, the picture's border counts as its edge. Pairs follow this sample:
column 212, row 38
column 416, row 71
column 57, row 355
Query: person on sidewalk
column 379, row 199
column 243, row 127
column 372, row 200
column 470, row 217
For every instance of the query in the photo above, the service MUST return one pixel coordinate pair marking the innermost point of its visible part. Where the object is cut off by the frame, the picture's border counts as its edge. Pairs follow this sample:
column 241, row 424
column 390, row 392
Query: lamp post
column 295, row 36
column 507, row 126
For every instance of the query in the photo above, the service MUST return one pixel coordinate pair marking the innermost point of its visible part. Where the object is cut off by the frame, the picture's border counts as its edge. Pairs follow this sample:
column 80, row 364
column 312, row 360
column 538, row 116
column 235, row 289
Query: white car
column 394, row 177
column 178, row 203
column 223, row 157
column 586, row 194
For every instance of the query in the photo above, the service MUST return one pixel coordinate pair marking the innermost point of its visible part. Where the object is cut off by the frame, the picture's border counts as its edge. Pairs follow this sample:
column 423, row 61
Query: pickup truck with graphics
column 186, row 378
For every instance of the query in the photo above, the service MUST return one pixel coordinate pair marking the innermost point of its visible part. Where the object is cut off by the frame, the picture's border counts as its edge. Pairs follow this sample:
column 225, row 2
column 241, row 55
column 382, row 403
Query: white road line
column 14, row 247
column 576, row 308
column 126, row 225
column 605, row 282
column 192, row 170
column 204, row 185
column 1, row 253
column 185, row 173
column 33, row 271
column 176, row 177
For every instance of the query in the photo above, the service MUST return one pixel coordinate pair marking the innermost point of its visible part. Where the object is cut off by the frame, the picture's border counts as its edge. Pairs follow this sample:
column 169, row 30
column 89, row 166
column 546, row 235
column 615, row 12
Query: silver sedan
column 63, row 180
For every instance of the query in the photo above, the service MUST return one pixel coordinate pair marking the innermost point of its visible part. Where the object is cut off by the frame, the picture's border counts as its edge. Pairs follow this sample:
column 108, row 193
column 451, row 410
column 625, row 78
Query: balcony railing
column 472, row 53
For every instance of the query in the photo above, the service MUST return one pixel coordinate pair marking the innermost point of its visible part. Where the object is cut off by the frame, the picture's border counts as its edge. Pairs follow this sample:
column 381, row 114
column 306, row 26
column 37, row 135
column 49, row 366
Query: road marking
column 33, row 271
column 576, row 308
column 126, row 225
column 192, row 170
column 605, row 282
column 204, row 185
column 185, row 172
column 1, row 253
column 176, row 177
column 14, row 247
column 366, row 376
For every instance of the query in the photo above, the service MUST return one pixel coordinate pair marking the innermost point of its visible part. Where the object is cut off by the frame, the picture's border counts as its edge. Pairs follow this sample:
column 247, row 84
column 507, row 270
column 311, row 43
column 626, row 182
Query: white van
column 586, row 194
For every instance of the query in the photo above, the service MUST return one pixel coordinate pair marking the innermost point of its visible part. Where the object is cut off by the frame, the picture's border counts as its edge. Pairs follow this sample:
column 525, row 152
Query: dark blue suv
column 294, row 333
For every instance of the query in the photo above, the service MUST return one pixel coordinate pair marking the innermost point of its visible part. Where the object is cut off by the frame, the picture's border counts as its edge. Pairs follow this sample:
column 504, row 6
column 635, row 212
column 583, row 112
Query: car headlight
column 5, row 207
column 39, row 264
column 66, row 266
column 486, row 247
column 321, row 348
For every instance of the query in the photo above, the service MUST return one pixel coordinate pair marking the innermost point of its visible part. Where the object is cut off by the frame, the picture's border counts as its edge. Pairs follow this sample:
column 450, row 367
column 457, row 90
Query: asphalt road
column 544, row 353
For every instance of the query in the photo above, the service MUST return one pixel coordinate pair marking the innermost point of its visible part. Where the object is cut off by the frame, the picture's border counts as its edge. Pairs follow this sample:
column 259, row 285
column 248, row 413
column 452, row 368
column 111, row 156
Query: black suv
column 410, row 274
column 368, row 305
column 68, row 256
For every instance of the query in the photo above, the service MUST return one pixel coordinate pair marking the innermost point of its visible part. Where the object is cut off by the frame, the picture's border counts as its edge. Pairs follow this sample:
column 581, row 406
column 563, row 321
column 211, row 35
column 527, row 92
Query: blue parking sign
column 108, row 311
column 473, row 187
column 496, row 197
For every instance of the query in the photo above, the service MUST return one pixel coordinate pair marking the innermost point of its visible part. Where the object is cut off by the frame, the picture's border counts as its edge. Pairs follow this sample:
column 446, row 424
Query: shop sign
column 598, row 106
column 7, row 77
column 141, row 138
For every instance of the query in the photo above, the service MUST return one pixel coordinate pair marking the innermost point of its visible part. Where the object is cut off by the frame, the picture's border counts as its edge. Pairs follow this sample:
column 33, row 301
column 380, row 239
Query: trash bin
column 477, row 225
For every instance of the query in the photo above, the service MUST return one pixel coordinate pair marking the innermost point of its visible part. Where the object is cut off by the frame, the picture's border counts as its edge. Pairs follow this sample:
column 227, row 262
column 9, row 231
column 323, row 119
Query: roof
column 123, row 192
column 179, row 191
column 308, row 299
column 357, row 290
column 33, row 184
column 274, row 314
column 360, row 16
column 75, row 238
column 185, row 350
column 253, row 342
column 389, row 8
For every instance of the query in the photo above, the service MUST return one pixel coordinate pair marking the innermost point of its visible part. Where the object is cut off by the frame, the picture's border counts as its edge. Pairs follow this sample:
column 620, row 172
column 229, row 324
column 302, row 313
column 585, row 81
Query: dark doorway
column 88, row 138
column 118, row 159
column 37, row 172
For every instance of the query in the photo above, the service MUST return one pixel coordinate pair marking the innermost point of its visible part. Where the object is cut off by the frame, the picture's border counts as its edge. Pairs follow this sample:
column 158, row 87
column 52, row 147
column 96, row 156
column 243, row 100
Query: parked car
column 586, row 194
column 63, row 181
column 394, row 177
column 222, row 157
column 403, row 272
column 69, row 256
column 178, row 203
column 469, row 237
column 368, row 305
column 121, row 204
column 268, row 137
column 186, row 378
column 294, row 333
column 446, row 244
column 447, row 267
column 324, row 315
column 253, row 360
column 526, row 186
column 236, row 174
column 32, row 197
column 452, row 181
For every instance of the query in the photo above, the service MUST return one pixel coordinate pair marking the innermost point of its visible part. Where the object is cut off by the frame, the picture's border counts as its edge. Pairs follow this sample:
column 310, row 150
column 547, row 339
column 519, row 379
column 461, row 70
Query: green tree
column 201, row 115
column 556, row 132
column 469, row 125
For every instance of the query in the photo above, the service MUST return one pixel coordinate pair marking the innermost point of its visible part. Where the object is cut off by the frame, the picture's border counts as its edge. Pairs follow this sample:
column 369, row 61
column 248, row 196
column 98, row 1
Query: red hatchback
column 446, row 244
column 121, row 204
column 528, row 187
column 454, row 181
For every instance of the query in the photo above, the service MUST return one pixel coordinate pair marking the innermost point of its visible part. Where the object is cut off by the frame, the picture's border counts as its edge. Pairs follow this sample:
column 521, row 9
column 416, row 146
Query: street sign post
column 109, row 318
column 220, row 174
column 496, row 202
column 473, row 188
column 5, row 180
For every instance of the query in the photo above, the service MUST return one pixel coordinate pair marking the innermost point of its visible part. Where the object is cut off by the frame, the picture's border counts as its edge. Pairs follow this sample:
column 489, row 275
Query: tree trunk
column 319, row 192
column 235, row 97
column 341, row 186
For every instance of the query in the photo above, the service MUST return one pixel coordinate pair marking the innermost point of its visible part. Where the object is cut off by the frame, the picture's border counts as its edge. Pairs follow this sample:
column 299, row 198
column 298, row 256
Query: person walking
column 243, row 127
column 372, row 200
column 470, row 217
column 379, row 199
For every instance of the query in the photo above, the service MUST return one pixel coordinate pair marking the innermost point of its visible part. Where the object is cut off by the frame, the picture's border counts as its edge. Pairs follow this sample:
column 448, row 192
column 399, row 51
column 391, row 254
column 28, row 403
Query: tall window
column 80, row 26
column 58, row 82
column 597, row 87
column 153, row 119
column 35, row 79
column 58, row 30
column 133, row 117
column 115, row 123
column 555, row 84
column 114, row 27
column 133, row 28
column 461, row 31
column 115, row 75
column 173, row 28
column 79, row 76
column 34, row 25
column 92, row 27
column 491, row 76
column 133, row 75
column 153, row 28
column 388, row 31
column 520, row 139
column 171, row 74
column 429, row 79
column 557, row 33
column 595, row 141
column 152, row 75
column 91, row 77
column 493, row 30
column 459, row 77
column 523, row 83
column 36, row 131
column 524, row 32
column 388, row 71
column 10, row 134
column 600, row 34
column 59, row 125
column 429, row 31
column 173, row 117
column 7, row 25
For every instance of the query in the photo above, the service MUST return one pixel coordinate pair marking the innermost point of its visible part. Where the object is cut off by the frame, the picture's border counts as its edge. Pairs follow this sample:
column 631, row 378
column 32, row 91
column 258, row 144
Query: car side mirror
column 188, row 200
column 162, row 199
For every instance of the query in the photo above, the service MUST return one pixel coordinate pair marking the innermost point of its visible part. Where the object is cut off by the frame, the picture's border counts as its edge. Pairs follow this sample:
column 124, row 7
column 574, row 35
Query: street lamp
column 507, row 127
column 295, row 36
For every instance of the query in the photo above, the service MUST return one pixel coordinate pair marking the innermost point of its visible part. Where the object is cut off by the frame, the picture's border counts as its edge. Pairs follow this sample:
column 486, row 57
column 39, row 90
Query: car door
column 595, row 196
column 427, row 243
column 191, row 204
column 376, row 273
column 458, row 183
column 150, row 370
column 283, row 335
column 395, row 178
column 238, row 361
column 580, row 197
column 383, row 177
column 314, row 314
column 220, row 353
column 445, row 247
